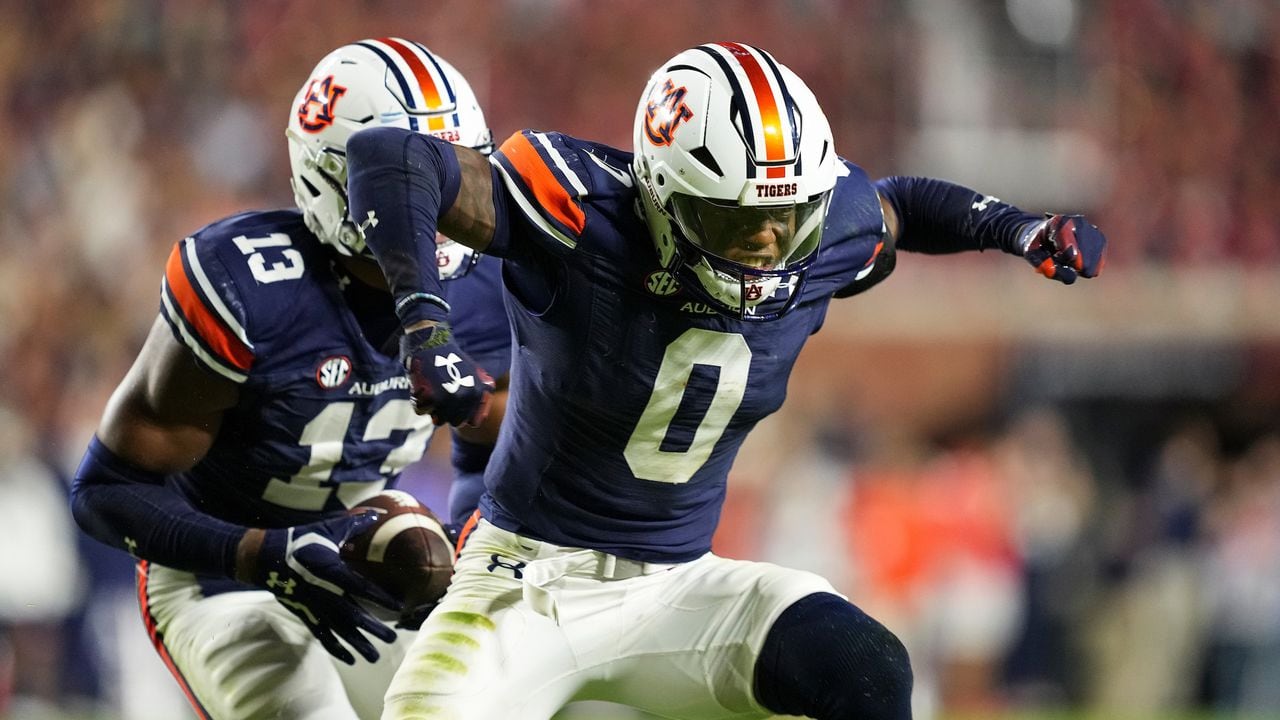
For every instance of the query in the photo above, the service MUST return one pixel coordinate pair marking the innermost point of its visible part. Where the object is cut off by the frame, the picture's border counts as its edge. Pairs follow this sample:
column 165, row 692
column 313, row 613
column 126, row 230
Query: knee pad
column 826, row 659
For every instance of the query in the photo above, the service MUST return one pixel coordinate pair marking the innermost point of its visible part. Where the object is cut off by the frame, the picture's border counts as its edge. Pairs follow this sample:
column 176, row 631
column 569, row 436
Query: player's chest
column 335, row 423
column 639, row 344
column 321, row 354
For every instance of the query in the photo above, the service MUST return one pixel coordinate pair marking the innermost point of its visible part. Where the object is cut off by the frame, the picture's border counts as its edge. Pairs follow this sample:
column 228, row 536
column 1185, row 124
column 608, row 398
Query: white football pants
column 528, row 626
column 243, row 656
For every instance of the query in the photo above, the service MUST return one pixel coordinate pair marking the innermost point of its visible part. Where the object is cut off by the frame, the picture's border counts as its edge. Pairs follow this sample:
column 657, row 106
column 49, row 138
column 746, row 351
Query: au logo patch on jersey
column 334, row 372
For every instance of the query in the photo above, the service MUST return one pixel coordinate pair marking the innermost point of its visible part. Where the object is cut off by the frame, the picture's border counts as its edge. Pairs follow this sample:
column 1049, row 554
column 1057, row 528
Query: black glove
column 445, row 383
column 1064, row 247
column 301, row 566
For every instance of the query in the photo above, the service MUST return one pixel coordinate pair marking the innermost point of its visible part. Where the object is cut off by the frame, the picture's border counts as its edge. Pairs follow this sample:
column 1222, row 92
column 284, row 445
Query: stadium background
column 1062, row 499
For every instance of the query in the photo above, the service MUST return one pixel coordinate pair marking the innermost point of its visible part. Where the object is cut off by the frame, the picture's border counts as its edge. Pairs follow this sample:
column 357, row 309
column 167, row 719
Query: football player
column 264, row 405
column 658, row 299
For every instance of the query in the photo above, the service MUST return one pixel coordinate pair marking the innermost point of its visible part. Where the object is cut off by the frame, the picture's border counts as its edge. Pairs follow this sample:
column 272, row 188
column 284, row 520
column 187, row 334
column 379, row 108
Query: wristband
column 408, row 312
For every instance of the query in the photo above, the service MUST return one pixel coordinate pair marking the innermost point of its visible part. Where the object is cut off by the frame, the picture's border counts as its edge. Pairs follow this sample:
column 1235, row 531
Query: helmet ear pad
column 659, row 221
column 728, row 124
column 370, row 83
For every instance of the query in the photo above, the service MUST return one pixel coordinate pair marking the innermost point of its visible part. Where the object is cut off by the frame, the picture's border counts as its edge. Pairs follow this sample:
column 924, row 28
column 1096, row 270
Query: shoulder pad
column 855, row 206
column 609, row 168
column 199, row 310
column 548, row 181
column 210, row 276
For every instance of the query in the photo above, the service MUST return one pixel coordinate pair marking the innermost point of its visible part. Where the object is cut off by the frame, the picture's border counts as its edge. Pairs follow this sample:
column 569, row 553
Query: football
column 406, row 552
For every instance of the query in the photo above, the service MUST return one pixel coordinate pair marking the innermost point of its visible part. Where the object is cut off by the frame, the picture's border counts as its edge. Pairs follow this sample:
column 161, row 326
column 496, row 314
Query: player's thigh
column 696, row 636
column 483, row 652
column 366, row 683
column 242, row 655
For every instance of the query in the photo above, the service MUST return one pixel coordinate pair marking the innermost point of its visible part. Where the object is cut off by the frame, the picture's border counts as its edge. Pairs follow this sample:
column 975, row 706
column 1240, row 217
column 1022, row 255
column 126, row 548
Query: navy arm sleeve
column 399, row 183
column 938, row 217
column 132, row 509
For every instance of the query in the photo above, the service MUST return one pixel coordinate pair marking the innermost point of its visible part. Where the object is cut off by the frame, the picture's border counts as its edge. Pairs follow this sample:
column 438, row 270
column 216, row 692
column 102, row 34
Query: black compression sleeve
column 399, row 183
column 940, row 217
column 132, row 509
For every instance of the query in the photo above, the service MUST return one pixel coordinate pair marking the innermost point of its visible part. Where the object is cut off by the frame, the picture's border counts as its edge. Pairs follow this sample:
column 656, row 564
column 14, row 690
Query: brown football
column 407, row 552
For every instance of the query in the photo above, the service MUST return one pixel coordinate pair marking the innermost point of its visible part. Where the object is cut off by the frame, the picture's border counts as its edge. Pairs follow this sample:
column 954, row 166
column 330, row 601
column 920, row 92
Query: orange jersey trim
column 465, row 533
column 875, row 254
column 539, row 178
column 206, row 323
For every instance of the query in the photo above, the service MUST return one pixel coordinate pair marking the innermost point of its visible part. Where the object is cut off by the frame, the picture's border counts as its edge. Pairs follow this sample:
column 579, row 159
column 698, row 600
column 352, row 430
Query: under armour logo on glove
column 302, row 567
column 450, row 364
column 444, row 382
column 1065, row 247
column 285, row 587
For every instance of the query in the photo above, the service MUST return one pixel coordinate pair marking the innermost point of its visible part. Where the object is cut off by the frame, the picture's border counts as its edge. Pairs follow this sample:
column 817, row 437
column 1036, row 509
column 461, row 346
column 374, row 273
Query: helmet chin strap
column 730, row 290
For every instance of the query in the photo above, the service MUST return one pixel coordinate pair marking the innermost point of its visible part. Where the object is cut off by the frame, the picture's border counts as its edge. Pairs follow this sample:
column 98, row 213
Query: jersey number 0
column 726, row 351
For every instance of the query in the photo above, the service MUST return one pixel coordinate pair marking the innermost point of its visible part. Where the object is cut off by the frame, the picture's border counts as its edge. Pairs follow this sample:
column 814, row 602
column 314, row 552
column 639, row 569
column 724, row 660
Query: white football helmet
column 387, row 81
column 735, row 163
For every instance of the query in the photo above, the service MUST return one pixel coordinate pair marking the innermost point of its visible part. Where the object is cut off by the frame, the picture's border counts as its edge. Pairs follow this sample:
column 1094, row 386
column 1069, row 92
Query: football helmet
column 387, row 81
column 735, row 163
column 453, row 259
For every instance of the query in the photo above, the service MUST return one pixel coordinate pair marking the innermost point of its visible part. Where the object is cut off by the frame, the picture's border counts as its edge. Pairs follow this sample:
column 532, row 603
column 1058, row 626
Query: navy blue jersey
column 630, row 399
column 478, row 317
column 324, row 418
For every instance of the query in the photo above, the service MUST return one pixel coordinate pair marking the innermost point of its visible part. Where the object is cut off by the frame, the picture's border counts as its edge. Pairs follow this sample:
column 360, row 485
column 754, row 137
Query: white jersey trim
column 560, row 163
column 214, row 299
column 210, row 361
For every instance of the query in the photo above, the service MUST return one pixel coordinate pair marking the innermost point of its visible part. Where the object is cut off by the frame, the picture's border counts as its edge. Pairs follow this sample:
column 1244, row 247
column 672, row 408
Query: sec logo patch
column 333, row 372
column 662, row 283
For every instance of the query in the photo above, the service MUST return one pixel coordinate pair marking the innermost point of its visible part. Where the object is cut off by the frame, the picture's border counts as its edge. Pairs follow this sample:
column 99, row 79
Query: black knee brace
column 826, row 659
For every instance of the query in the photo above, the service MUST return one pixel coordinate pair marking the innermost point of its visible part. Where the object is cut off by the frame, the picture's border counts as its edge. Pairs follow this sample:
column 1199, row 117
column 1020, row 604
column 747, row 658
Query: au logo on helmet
column 316, row 111
column 663, row 115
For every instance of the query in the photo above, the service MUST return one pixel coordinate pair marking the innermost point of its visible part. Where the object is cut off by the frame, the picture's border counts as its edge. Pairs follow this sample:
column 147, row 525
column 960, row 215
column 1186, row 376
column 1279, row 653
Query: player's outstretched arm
column 935, row 216
column 162, row 419
column 404, row 187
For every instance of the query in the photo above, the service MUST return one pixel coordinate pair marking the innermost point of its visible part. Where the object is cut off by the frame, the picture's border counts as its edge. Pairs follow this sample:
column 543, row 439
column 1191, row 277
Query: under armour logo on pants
column 515, row 568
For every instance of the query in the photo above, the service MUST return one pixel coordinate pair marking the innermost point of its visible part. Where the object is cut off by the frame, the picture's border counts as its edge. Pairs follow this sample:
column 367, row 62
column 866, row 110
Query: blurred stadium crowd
column 1047, row 523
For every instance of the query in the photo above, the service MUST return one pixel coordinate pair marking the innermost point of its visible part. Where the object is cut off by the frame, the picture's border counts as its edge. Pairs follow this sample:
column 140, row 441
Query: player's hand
column 1065, row 247
column 444, row 382
column 301, row 567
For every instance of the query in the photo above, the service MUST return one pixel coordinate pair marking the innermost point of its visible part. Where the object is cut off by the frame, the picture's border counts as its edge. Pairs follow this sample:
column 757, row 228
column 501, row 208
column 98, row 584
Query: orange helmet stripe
column 204, row 321
column 771, row 122
column 430, row 93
